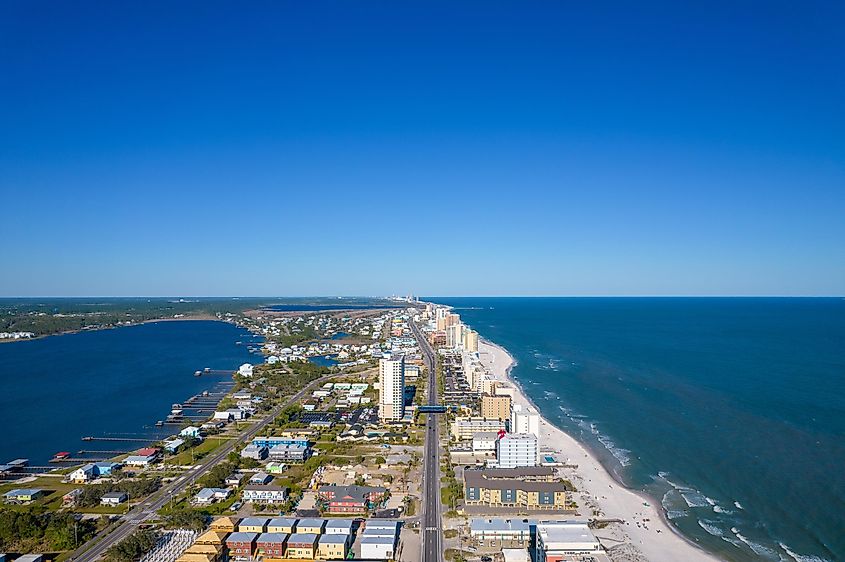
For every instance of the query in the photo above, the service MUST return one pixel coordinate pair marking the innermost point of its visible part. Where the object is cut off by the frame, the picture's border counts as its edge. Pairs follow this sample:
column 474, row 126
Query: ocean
column 729, row 412
column 116, row 382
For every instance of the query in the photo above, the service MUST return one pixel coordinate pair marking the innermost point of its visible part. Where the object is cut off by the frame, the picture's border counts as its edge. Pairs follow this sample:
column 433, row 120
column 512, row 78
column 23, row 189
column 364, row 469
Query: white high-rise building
column 391, row 399
column 516, row 450
column 525, row 420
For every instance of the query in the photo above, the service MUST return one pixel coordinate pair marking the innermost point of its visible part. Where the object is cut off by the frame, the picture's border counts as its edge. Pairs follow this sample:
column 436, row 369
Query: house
column 172, row 445
column 265, row 494
column 30, row 558
column 381, row 528
column 208, row 496
column 311, row 526
column 253, row 525
column 191, row 431
column 114, row 498
column 245, row 370
column 375, row 547
column 212, row 537
column 223, row 415
column 224, row 524
column 302, row 546
column 106, row 468
column 333, row 547
column 83, row 474
column 271, row 545
column 339, row 526
column 70, row 499
column 274, row 467
column 241, row 544
column 285, row 525
column 260, row 478
column 23, row 495
column 350, row 499
column 234, row 479
column 142, row 457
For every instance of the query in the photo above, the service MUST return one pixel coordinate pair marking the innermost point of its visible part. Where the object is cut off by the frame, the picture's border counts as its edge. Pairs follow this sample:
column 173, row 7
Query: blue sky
column 301, row 148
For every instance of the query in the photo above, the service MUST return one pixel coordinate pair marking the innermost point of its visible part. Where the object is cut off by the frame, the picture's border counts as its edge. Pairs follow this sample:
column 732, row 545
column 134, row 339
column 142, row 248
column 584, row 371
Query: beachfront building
column 391, row 401
column 471, row 341
column 466, row 428
column 563, row 540
column 517, row 450
column 500, row 533
column 524, row 420
column 495, row 407
column 527, row 488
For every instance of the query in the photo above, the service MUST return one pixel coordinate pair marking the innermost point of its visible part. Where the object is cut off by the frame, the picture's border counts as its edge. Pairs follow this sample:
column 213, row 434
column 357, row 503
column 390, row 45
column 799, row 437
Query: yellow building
column 333, row 547
column 310, row 526
column 496, row 407
column 302, row 546
column 513, row 488
column 253, row 525
column 224, row 524
column 197, row 557
column 284, row 525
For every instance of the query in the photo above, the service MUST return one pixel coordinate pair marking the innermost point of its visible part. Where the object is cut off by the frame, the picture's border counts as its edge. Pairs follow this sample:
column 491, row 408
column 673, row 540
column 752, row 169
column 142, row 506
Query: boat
column 176, row 409
column 61, row 455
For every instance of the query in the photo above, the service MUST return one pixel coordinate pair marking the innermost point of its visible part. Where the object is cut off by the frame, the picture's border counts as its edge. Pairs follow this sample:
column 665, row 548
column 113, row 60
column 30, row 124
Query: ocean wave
column 676, row 513
column 758, row 548
column 694, row 498
column 711, row 527
column 720, row 509
column 546, row 362
column 620, row 454
column 802, row 557
column 738, row 505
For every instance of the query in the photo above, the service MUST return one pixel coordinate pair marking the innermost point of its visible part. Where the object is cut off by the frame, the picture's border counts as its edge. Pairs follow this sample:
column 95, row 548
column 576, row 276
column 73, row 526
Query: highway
column 96, row 547
column 431, row 548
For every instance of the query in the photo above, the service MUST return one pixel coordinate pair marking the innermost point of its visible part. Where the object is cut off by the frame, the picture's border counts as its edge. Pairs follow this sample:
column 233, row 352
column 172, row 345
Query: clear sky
column 454, row 148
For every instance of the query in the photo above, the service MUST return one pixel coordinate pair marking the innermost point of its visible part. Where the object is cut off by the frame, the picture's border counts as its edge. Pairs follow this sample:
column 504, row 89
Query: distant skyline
column 568, row 149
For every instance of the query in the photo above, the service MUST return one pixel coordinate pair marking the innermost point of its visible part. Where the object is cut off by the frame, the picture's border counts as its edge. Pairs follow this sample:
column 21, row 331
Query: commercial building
column 350, row 499
column 525, row 420
column 496, row 407
column 501, row 533
column 290, row 452
column 562, row 540
column 517, row 450
column 391, row 400
column 466, row 428
column 493, row 489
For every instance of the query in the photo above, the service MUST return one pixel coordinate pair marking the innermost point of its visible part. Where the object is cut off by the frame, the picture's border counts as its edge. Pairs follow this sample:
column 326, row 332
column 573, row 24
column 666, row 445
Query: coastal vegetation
column 28, row 531
column 134, row 488
column 133, row 547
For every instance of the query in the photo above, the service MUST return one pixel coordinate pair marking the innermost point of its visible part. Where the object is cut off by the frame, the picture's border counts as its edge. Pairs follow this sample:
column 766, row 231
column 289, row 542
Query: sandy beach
column 644, row 533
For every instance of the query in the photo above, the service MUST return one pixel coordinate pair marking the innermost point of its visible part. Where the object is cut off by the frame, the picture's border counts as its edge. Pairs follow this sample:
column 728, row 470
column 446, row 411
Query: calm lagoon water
column 58, row 389
column 728, row 412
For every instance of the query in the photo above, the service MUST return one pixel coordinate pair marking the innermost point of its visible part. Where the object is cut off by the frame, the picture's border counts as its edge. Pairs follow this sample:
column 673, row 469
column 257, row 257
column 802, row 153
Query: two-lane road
column 148, row 508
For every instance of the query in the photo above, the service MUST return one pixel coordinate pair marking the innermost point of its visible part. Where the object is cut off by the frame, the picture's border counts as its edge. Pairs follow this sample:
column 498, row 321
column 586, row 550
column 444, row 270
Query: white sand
column 597, row 490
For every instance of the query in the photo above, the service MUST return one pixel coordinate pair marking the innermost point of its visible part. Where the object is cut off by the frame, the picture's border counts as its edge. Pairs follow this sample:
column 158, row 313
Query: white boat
column 176, row 409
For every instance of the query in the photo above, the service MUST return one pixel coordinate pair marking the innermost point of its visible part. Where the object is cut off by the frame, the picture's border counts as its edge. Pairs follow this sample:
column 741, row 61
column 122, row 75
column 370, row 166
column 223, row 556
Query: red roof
column 147, row 452
column 62, row 454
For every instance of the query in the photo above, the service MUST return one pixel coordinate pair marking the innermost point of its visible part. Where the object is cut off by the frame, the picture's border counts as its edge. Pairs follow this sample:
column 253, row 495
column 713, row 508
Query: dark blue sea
column 729, row 412
column 115, row 382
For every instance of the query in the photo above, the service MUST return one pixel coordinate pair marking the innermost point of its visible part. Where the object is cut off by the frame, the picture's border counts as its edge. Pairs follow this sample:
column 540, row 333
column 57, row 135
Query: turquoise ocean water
column 729, row 412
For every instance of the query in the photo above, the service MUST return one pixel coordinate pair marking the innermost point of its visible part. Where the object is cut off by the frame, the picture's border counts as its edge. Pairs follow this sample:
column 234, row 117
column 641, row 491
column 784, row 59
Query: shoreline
column 646, row 527
column 195, row 318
